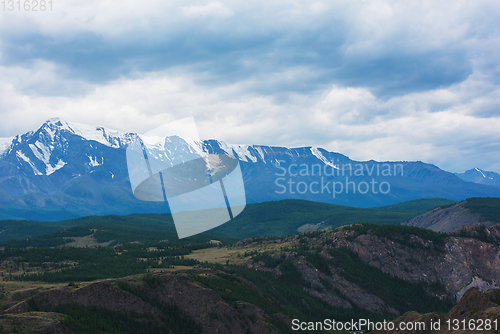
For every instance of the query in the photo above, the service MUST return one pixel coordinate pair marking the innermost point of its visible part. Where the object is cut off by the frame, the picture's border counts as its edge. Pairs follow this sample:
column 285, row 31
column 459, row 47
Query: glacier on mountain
column 317, row 153
column 51, row 169
column 108, row 137
column 25, row 158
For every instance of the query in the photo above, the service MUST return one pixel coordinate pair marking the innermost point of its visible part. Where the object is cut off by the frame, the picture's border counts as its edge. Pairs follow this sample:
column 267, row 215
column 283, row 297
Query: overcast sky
column 382, row 80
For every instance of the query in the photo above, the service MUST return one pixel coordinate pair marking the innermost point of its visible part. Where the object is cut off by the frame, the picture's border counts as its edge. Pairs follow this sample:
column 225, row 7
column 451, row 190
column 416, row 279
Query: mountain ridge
column 478, row 175
column 70, row 170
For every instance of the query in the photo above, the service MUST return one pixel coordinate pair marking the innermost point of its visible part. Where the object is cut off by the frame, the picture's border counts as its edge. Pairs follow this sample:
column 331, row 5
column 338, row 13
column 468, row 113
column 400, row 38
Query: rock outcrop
column 477, row 312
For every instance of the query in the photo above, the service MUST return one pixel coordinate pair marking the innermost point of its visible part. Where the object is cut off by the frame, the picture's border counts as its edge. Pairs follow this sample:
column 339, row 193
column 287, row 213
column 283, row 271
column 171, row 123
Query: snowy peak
column 58, row 144
column 49, row 148
column 108, row 137
column 57, row 135
column 478, row 175
column 83, row 170
column 245, row 153
column 52, row 146
column 480, row 171
column 269, row 154
column 316, row 151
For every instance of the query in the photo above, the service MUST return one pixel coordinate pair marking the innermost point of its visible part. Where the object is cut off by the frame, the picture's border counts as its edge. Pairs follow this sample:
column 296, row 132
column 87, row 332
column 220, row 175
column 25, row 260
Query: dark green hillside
column 68, row 264
column 4, row 216
column 418, row 205
column 285, row 217
column 143, row 228
column 147, row 229
column 38, row 215
column 310, row 276
column 488, row 207
column 16, row 229
column 277, row 294
column 260, row 219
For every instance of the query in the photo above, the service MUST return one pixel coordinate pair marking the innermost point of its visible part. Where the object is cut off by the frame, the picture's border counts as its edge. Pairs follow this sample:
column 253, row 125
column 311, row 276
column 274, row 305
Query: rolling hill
column 278, row 218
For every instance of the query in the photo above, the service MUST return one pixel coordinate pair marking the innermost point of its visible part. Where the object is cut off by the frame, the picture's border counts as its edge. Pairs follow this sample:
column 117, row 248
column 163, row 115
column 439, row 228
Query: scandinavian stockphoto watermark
column 335, row 179
column 26, row 5
column 363, row 325
column 358, row 325
column 169, row 164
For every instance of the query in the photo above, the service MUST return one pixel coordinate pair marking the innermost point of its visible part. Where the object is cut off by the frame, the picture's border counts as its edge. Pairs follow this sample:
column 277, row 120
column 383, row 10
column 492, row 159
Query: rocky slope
column 477, row 312
column 448, row 219
column 174, row 303
column 359, row 270
column 458, row 264
column 446, row 265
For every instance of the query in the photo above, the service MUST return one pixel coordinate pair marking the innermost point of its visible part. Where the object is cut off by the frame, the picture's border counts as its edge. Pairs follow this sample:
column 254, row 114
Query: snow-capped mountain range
column 64, row 170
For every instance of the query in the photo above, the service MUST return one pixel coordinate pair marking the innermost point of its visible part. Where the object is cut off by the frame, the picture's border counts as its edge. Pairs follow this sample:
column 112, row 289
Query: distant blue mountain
column 65, row 170
column 477, row 175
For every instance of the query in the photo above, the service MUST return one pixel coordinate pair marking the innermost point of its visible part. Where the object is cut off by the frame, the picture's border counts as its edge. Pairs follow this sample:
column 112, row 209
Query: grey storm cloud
column 238, row 48
column 378, row 79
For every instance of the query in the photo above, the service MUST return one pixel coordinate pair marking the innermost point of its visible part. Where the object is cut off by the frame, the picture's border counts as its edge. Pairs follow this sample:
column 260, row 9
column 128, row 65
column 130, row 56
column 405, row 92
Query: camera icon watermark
column 203, row 190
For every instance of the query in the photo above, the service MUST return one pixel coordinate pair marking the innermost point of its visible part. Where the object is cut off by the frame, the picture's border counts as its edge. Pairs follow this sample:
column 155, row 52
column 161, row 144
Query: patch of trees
column 90, row 320
column 172, row 317
column 85, row 264
column 401, row 233
column 270, row 261
column 398, row 293
column 283, row 293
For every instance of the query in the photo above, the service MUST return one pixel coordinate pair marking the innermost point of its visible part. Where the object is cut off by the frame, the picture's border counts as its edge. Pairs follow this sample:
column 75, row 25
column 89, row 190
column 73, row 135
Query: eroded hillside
column 169, row 303
column 259, row 285
column 450, row 218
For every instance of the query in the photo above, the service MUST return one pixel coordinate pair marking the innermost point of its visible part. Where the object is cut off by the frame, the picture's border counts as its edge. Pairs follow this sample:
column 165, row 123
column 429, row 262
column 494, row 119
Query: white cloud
column 351, row 121
column 373, row 80
column 214, row 9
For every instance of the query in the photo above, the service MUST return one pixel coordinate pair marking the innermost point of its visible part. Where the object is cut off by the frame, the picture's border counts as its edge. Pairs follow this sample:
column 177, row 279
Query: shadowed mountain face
column 64, row 170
